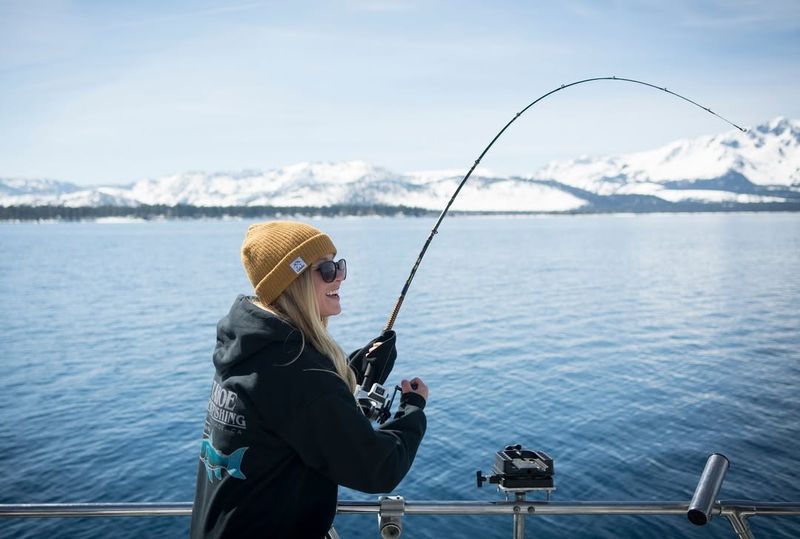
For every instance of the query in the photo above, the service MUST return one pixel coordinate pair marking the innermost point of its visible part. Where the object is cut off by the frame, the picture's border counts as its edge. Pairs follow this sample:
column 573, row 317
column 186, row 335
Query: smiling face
column 327, row 293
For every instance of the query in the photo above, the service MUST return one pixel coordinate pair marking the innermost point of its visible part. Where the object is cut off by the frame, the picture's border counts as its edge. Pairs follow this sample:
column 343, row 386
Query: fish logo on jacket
column 216, row 461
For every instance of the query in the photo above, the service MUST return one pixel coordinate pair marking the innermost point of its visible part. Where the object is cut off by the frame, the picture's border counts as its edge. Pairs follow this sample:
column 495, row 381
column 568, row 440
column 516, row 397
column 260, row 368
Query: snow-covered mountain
column 761, row 165
column 760, row 168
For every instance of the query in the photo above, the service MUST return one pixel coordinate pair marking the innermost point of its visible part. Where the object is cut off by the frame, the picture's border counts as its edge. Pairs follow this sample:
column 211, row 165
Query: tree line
column 626, row 203
column 40, row 213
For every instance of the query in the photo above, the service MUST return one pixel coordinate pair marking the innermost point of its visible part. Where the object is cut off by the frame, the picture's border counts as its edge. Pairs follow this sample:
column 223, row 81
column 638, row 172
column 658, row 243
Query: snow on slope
column 488, row 194
column 734, row 166
column 767, row 155
column 301, row 184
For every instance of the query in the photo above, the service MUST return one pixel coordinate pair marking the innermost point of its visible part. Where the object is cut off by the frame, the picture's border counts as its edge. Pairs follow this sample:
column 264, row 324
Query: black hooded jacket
column 282, row 433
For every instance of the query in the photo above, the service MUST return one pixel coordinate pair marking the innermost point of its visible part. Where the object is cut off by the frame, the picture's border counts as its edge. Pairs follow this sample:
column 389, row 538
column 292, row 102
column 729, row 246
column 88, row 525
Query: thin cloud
column 381, row 6
column 711, row 14
column 737, row 14
column 189, row 14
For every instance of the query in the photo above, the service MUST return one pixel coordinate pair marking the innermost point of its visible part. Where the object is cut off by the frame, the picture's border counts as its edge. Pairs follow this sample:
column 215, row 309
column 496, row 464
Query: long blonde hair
column 298, row 305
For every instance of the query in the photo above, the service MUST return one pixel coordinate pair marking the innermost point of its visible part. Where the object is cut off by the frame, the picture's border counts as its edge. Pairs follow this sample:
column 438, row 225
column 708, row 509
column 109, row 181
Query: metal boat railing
column 391, row 509
column 735, row 511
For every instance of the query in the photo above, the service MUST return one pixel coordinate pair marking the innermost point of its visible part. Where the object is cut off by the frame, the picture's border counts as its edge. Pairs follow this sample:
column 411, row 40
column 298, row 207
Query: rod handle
column 395, row 312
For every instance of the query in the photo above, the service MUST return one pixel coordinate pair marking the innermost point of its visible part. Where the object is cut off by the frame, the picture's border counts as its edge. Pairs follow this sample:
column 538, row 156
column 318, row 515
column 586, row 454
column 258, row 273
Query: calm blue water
column 628, row 348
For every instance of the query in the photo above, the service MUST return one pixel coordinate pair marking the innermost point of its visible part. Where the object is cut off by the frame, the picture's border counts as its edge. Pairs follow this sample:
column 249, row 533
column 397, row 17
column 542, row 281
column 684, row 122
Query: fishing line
column 435, row 229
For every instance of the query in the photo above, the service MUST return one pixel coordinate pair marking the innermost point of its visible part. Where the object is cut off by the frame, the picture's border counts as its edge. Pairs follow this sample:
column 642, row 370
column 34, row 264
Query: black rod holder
column 707, row 489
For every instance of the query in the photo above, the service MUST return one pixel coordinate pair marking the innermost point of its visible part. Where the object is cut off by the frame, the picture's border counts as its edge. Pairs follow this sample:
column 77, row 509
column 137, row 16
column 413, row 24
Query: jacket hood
column 247, row 330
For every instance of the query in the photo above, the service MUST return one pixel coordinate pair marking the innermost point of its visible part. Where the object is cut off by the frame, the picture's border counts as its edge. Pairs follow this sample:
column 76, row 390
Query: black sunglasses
column 329, row 269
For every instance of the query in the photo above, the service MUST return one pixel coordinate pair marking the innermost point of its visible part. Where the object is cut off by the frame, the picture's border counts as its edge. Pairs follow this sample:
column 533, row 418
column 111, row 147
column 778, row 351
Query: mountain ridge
column 729, row 170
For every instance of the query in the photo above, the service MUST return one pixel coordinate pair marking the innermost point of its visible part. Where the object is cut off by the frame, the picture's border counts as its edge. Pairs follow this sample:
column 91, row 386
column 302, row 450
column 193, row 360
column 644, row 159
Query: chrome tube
column 702, row 504
column 370, row 507
column 519, row 516
column 736, row 511
column 525, row 507
column 748, row 508
column 96, row 509
column 739, row 524
column 742, row 507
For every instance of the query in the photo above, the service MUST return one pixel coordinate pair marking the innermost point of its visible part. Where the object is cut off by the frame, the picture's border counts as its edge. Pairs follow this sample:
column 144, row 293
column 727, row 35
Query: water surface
column 627, row 347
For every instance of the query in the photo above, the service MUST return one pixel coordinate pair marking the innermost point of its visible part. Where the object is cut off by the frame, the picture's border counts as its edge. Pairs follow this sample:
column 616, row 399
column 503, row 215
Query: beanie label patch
column 298, row 265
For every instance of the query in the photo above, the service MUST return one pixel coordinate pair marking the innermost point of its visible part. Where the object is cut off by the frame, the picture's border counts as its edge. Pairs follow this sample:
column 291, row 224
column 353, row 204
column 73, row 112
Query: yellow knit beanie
column 276, row 252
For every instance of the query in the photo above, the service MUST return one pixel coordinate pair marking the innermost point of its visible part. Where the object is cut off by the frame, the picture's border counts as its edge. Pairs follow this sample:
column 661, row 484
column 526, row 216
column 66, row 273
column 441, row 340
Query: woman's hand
column 416, row 385
column 380, row 353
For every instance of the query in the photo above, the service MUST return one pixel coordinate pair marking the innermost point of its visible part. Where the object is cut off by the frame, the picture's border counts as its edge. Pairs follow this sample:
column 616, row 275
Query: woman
column 283, row 428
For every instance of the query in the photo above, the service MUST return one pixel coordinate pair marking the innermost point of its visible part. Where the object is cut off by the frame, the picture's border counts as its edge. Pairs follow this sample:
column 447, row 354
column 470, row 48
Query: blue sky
column 109, row 92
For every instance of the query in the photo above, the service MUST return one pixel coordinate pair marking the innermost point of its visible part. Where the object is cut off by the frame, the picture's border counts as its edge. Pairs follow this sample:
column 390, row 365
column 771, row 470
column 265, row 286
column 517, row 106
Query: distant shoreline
column 161, row 212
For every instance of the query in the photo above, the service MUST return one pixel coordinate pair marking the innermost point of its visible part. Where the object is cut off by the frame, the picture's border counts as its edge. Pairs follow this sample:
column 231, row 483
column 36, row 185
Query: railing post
column 519, row 516
column 740, row 525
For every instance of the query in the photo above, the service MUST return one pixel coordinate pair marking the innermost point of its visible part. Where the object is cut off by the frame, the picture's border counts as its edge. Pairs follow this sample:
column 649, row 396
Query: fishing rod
column 435, row 229
column 374, row 401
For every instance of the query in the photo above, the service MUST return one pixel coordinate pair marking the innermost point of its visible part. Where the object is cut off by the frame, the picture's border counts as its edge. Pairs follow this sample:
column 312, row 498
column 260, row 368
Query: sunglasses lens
column 329, row 269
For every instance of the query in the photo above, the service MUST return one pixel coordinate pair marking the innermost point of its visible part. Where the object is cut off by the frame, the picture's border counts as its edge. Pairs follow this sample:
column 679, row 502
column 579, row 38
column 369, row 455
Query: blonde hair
column 298, row 305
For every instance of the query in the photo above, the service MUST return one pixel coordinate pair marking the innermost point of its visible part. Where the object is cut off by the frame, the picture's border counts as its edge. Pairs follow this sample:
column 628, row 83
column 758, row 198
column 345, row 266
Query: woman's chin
column 332, row 307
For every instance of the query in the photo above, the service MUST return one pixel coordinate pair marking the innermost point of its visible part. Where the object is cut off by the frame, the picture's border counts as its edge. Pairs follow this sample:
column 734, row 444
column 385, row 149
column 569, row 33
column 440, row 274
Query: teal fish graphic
column 216, row 461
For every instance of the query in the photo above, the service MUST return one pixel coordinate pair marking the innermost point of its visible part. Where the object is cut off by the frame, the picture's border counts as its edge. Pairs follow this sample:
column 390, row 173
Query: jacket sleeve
column 332, row 436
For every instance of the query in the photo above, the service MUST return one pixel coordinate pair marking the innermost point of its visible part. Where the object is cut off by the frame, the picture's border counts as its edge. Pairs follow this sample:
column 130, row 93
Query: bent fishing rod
column 369, row 375
column 435, row 229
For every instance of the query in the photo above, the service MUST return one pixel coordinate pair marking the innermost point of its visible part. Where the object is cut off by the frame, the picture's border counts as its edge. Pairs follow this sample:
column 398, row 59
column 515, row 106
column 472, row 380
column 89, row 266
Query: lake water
column 629, row 348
